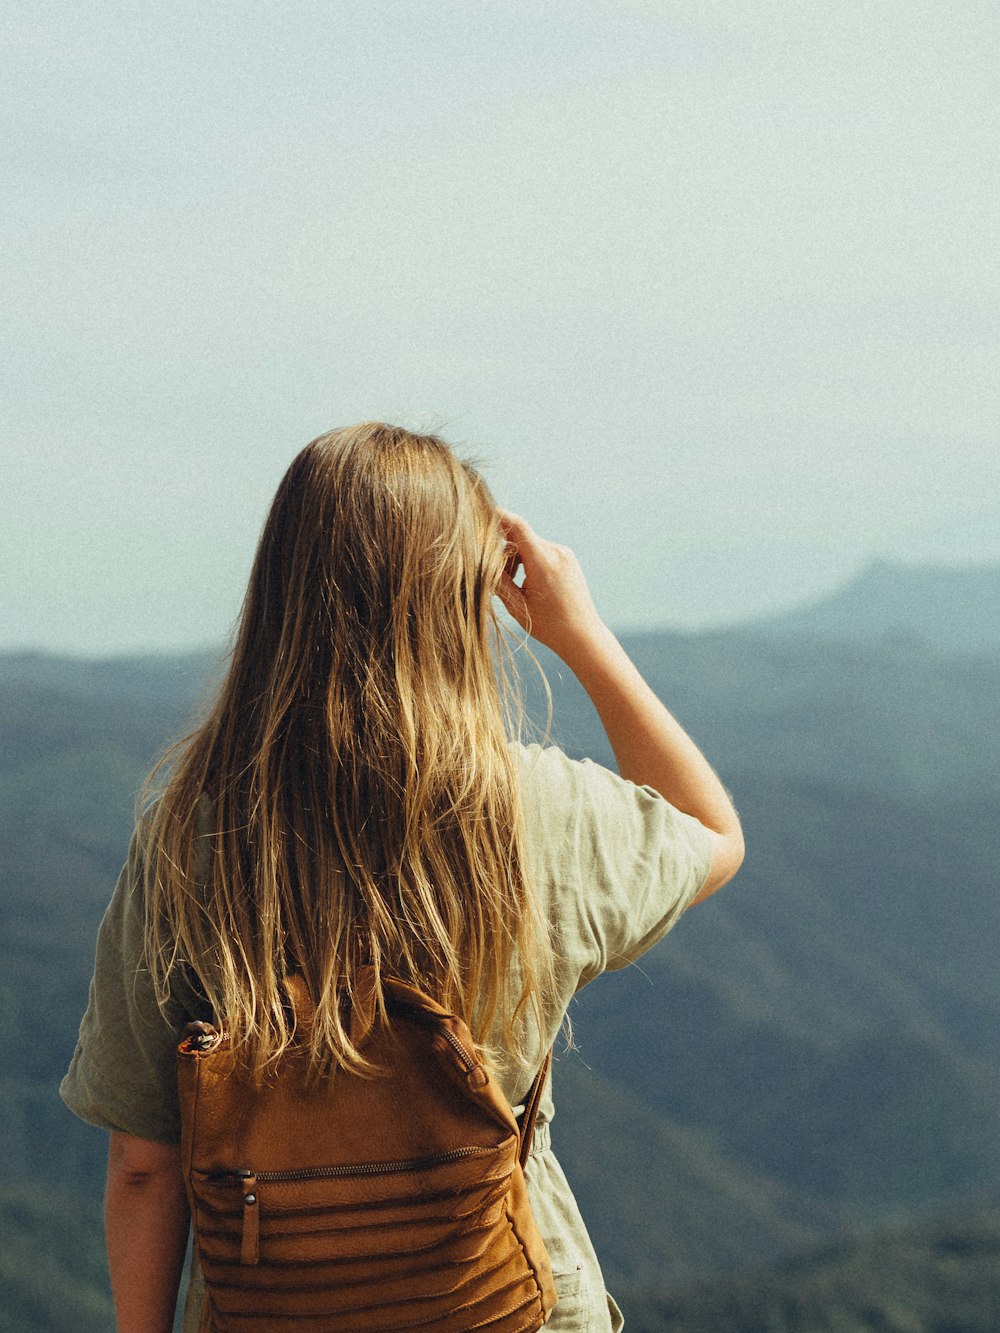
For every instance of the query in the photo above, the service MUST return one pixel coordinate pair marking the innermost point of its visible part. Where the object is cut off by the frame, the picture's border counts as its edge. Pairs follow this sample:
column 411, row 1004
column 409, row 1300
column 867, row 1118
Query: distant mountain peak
column 955, row 608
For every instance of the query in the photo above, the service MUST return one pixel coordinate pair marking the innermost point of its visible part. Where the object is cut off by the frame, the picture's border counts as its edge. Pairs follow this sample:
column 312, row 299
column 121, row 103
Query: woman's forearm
column 146, row 1228
column 650, row 746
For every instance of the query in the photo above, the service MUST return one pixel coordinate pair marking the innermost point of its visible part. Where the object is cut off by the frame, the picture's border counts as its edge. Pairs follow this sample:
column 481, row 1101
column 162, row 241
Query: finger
column 512, row 597
column 529, row 547
column 514, row 526
column 513, row 563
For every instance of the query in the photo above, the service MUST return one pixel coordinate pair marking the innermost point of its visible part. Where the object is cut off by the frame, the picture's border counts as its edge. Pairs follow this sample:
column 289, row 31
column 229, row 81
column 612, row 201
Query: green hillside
column 52, row 1267
column 662, row 1200
column 938, row 1278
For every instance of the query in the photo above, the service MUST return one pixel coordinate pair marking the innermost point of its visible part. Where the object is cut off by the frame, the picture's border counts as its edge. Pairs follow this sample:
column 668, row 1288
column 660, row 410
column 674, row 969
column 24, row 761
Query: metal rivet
column 249, row 1198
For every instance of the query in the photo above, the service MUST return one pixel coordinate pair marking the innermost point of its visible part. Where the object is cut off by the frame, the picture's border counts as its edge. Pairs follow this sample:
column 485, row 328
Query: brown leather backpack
column 363, row 1205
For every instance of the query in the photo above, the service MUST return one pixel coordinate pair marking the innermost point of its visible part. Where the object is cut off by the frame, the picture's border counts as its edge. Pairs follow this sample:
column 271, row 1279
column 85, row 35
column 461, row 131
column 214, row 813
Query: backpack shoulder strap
column 531, row 1105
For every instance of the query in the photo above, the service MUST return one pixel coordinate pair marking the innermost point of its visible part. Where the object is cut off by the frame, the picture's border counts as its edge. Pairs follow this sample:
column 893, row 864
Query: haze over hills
column 814, row 1049
column 954, row 608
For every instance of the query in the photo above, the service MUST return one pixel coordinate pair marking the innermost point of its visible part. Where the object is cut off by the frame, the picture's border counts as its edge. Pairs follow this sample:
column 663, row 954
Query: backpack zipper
column 466, row 1058
column 250, row 1226
column 358, row 1169
column 476, row 1073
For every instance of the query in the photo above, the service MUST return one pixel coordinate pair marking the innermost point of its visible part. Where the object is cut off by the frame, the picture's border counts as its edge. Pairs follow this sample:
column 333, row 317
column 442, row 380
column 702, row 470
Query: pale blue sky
column 710, row 287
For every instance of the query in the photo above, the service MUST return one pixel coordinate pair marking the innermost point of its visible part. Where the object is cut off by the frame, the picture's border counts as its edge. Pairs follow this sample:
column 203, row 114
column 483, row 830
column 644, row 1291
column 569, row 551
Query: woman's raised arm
column 554, row 605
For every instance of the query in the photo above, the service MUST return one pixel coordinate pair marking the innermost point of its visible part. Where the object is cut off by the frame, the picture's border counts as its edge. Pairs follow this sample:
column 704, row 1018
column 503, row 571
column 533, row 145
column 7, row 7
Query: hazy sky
column 710, row 287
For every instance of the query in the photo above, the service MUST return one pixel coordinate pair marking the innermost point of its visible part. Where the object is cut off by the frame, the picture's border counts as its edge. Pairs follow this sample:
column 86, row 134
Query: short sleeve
column 123, row 1072
column 615, row 864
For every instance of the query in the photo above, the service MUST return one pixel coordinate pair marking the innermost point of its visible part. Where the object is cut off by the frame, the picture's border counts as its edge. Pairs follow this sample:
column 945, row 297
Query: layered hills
column 812, row 1052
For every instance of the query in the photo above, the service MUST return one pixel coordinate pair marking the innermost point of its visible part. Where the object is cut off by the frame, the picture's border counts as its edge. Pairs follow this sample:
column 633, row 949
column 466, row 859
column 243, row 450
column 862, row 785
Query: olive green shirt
column 614, row 865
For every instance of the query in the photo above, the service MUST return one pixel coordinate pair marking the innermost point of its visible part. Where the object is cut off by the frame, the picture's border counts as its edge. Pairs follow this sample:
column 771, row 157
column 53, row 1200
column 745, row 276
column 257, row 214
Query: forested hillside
column 942, row 1277
column 813, row 1051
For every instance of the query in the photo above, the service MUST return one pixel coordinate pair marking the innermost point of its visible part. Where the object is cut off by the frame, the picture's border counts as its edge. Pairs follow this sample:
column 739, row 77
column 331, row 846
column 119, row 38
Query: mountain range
column 810, row 1054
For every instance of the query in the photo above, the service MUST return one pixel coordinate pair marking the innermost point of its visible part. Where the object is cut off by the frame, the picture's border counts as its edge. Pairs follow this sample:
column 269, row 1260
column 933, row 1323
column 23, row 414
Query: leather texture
column 363, row 1205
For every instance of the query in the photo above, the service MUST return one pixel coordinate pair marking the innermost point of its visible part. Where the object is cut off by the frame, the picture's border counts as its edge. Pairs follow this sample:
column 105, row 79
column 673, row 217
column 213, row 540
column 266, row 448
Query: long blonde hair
column 351, row 799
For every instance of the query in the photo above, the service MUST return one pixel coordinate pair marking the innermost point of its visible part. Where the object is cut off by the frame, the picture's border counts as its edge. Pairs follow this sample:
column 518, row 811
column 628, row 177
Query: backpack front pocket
column 366, row 1248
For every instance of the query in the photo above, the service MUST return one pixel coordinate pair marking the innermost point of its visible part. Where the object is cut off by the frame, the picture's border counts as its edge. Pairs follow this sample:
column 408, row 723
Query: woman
column 353, row 797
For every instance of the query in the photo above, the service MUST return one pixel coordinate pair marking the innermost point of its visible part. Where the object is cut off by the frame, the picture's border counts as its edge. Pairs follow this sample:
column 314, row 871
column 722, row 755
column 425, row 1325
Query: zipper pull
column 199, row 1038
column 473, row 1069
column 250, row 1245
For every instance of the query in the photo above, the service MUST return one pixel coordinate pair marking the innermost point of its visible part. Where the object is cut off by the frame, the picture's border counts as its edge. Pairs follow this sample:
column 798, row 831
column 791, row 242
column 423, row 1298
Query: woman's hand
column 553, row 602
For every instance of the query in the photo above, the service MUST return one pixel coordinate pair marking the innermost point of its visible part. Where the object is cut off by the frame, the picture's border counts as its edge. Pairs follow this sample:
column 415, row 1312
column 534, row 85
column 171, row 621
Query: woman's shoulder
column 557, row 786
column 549, row 768
column 615, row 863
